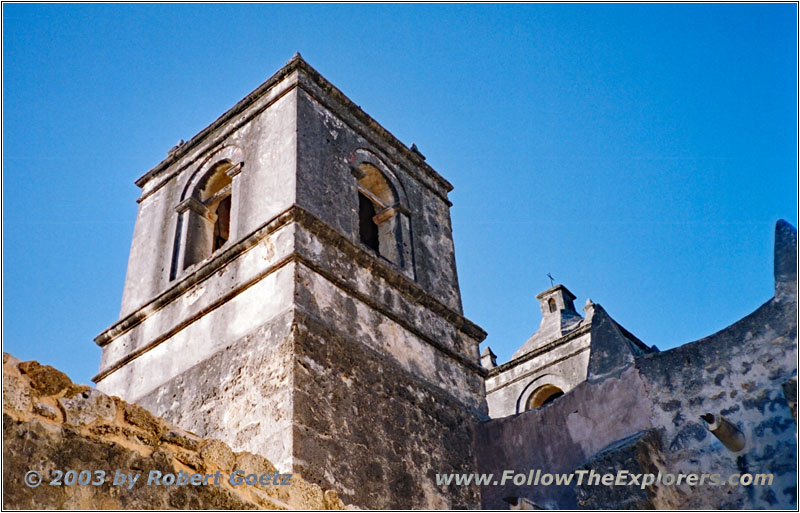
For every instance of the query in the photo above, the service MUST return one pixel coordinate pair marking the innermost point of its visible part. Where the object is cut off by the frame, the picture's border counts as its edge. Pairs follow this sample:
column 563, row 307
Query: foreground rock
column 51, row 424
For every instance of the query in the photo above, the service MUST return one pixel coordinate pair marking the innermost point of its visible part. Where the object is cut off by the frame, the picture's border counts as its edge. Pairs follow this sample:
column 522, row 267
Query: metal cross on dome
column 552, row 282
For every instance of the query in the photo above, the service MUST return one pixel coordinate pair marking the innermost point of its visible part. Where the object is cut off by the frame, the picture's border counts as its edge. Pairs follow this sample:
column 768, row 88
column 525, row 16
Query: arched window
column 207, row 209
column 543, row 395
column 378, row 220
column 209, row 214
column 551, row 304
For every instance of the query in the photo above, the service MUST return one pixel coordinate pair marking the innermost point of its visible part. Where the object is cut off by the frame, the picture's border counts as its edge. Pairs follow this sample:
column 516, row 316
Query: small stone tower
column 558, row 318
column 292, row 290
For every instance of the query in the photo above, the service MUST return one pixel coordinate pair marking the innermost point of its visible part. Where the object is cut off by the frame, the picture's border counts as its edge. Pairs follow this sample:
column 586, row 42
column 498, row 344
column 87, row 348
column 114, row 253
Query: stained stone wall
column 333, row 136
column 740, row 373
column 248, row 391
column 395, row 441
column 215, row 356
column 242, row 395
column 387, row 384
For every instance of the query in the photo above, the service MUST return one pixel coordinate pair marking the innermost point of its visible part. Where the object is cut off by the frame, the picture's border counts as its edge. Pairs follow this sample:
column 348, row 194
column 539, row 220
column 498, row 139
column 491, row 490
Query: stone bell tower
column 292, row 290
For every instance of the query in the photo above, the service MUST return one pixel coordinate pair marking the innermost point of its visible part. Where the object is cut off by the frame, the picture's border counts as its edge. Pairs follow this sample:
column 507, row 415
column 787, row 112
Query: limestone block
column 142, row 418
column 219, row 454
column 88, row 407
column 182, row 438
column 16, row 393
column 81, row 442
column 46, row 410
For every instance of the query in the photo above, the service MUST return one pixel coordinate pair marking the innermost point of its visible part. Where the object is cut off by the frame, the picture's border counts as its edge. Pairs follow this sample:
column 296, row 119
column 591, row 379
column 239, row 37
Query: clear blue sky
column 639, row 153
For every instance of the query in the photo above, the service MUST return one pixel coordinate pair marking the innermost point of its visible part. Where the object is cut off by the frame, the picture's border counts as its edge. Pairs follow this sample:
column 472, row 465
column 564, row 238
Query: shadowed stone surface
column 423, row 430
column 611, row 351
column 785, row 262
column 638, row 454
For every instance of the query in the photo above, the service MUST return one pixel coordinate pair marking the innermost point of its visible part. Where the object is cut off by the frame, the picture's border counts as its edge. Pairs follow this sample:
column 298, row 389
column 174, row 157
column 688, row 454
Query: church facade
column 554, row 359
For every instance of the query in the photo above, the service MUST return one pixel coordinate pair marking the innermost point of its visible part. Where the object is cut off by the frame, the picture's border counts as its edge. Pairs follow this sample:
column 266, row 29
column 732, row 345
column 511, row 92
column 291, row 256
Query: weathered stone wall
column 236, row 292
column 213, row 354
column 49, row 423
column 190, row 367
column 385, row 372
column 344, row 285
column 738, row 373
column 373, row 428
column 333, row 130
column 640, row 453
column 393, row 336
column 559, row 437
column 242, row 395
column 216, row 357
column 295, row 134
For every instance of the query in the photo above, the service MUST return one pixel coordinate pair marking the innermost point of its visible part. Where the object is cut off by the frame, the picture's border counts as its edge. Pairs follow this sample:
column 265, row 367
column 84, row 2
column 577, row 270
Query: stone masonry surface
column 49, row 423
